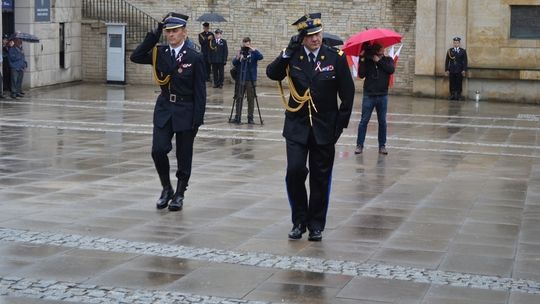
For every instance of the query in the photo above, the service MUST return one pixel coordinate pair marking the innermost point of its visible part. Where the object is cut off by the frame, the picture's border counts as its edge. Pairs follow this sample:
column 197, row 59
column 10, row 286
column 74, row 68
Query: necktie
column 312, row 60
column 173, row 55
column 456, row 50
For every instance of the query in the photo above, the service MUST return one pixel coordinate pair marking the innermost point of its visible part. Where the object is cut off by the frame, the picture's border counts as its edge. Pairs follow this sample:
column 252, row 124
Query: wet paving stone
column 453, row 209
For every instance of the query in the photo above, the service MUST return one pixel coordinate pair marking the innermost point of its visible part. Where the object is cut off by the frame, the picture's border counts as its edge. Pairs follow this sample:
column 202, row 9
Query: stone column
column 424, row 70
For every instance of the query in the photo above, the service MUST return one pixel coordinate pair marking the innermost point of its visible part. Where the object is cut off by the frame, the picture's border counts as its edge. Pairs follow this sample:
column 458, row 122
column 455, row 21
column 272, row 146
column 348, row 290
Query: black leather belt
column 177, row 98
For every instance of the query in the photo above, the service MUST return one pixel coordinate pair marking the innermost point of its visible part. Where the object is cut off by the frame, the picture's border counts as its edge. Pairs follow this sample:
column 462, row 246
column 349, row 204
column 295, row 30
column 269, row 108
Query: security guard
column 455, row 67
column 179, row 70
column 316, row 74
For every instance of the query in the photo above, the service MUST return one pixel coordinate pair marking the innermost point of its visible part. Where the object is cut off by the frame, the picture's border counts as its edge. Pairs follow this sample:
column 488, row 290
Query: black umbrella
column 211, row 17
column 331, row 39
column 25, row 37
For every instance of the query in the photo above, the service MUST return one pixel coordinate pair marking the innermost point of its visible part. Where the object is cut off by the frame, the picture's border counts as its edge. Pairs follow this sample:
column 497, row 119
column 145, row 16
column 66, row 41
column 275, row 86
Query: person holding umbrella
column 204, row 39
column 317, row 74
column 376, row 68
column 17, row 63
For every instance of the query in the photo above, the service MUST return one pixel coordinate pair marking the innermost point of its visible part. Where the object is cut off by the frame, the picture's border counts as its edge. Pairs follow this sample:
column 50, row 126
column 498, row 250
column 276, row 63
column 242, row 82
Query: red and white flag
column 353, row 65
column 395, row 55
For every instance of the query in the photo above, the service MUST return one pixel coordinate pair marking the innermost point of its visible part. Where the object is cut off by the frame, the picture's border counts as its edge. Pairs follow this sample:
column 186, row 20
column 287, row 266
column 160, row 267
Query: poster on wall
column 7, row 5
column 42, row 10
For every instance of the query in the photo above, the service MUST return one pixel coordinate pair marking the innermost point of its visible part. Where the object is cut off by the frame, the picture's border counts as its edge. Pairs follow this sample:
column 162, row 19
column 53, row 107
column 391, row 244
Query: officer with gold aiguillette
column 180, row 72
column 455, row 67
column 316, row 75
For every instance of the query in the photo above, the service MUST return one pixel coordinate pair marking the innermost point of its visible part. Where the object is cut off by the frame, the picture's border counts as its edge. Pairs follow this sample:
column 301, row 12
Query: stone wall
column 500, row 68
column 44, row 57
column 268, row 23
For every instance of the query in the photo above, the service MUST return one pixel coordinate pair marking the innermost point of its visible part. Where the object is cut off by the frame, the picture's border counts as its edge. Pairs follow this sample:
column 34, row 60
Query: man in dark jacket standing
column 204, row 38
column 317, row 74
column 217, row 55
column 179, row 70
column 455, row 66
column 376, row 69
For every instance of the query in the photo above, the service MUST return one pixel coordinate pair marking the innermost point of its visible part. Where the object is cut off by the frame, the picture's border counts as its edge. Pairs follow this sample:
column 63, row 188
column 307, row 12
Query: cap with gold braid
column 309, row 23
column 174, row 20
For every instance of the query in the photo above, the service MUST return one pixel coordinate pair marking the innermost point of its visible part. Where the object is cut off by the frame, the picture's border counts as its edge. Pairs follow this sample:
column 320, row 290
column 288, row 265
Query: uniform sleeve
column 345, row 93
column 276, row 70
column 143, row 53
column 201, row 39
column 226, row 50
column 199, row 91
column 446, row 61
column 465, row 64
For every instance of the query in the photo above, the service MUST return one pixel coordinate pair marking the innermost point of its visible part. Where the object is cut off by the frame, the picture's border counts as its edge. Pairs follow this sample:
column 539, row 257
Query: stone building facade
column 45, row 65
column 501, row 67
column 268, row 23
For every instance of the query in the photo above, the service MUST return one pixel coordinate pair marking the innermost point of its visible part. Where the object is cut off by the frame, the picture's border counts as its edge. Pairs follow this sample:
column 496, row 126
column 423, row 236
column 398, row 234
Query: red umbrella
column 384, row 37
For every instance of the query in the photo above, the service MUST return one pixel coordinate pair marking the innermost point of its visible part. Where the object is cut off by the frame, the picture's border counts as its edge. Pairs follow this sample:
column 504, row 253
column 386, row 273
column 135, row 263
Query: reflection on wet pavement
column 451, row 214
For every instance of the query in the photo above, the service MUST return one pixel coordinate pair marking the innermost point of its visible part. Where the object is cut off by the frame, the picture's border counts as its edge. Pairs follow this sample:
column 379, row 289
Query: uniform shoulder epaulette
column 336, row 50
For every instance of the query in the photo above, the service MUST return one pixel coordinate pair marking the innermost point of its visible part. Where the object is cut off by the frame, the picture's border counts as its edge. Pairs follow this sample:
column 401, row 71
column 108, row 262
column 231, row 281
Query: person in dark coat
column 204, row 38
column 455, row 67
column 375, row 68
column 218, row 52
column 17, row 64
column 179, row 111
column 314, row 120
column 246, row 64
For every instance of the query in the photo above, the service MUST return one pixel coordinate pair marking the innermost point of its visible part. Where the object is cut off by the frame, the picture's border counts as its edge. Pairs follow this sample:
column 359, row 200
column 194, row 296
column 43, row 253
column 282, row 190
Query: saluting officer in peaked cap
column 179, row 111
column 314, row 120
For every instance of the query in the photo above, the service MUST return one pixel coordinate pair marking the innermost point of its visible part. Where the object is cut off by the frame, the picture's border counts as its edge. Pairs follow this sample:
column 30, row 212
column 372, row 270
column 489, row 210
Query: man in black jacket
column 179, row 70
column 376, row 69
column 455, row 66
column 217, row 54
column 317, row 74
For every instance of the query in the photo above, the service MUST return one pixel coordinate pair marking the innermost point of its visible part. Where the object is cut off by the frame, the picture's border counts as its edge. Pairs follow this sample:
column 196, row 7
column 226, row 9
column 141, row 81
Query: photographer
column 376, row 69
column 246, row 79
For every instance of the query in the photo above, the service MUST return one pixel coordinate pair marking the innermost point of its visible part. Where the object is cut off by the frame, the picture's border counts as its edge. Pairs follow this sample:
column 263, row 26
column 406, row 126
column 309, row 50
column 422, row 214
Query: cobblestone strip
column 85, row 293
column 392, row 272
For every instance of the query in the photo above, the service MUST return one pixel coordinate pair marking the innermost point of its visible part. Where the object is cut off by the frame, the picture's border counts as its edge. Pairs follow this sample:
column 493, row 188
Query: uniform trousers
column 162, row 145
column 456, row 82
column 311, row 212
column 218, row 70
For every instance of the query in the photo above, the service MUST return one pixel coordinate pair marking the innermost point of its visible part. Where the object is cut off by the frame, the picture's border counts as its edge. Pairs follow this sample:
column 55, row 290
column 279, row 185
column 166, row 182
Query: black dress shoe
column 296, row 232
column 176, row 203
column 251, row 121
column 166, row 196
column 315, row 235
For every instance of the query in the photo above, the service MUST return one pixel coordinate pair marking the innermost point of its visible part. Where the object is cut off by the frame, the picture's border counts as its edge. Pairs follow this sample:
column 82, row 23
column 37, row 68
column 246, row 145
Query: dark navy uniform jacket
column 456, row 62
column 218, row 52
column 187, row 84
column 330, row 77
column 203, row 41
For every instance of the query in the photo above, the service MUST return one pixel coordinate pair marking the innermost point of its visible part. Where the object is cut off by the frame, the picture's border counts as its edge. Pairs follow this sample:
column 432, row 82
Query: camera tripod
column 240, row 92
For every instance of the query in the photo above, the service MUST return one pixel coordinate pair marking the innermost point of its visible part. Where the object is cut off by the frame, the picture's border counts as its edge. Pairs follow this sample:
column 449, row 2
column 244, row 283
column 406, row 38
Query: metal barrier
column 138, row 22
